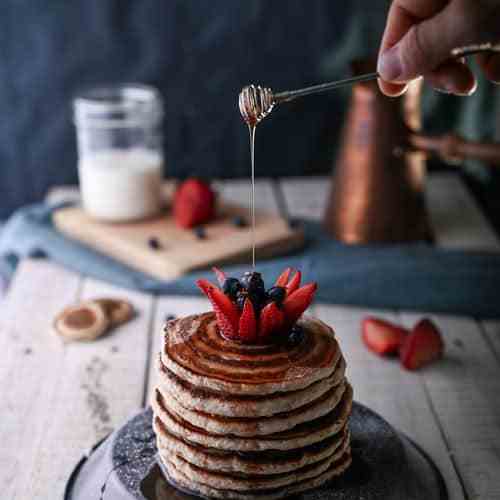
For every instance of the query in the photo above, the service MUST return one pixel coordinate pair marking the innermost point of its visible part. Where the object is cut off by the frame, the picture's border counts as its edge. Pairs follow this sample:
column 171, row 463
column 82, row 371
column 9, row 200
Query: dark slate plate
column 385, row 466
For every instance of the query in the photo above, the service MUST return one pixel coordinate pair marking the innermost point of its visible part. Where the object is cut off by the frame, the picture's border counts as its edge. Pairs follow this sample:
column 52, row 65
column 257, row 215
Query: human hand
column 419, row 38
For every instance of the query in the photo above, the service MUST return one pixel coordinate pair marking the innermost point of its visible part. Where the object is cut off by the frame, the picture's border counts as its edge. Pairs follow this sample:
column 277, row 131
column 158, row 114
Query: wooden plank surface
column 31, row 373
column 455, row 217
column 464, row 389
column 397, row 395
column 69, row 395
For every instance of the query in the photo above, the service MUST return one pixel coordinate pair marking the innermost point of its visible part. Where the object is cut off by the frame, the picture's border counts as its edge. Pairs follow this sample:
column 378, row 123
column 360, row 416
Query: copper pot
column 377, row 191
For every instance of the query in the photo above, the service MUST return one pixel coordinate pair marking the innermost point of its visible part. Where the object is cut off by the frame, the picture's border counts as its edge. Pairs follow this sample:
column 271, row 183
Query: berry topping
column 297, row 302
column 294, row 283
column 227, row 314
column 422, row 346
column 231, row 287
column 382, row 337
column 194, row 203
column 247, row 313
column 284, row 277
column 253, row 282
column 220, row 275
column 277, row 294
column 271, row 320
column 296, row 335
column 248, row 323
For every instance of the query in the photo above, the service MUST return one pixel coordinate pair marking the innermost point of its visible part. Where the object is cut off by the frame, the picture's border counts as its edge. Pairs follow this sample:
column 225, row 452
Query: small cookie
column 119, row 311
column 84, row 321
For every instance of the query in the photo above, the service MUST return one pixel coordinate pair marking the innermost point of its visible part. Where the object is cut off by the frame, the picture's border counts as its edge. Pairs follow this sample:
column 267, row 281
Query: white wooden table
column 58, row 399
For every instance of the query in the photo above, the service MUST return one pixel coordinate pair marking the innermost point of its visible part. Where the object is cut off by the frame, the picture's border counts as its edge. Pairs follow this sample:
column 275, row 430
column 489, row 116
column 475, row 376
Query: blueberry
column 276, row 294
column 231, row 287
column 239, row 221
column 253, row 282
column 37, row 253
column 170, row 317
column 240, row 299
column 200, row 232
column 296, row 335
column 154, row 243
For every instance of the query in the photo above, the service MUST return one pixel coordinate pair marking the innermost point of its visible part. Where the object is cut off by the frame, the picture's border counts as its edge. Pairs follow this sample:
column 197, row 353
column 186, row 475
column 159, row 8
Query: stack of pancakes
column 250, row 421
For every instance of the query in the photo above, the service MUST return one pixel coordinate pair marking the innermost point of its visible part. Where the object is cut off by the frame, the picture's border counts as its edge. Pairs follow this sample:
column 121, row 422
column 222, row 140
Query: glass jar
column 120, row 157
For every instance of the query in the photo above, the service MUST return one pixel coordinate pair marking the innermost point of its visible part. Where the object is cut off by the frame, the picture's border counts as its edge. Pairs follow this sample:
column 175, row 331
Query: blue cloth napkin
column 408, row 277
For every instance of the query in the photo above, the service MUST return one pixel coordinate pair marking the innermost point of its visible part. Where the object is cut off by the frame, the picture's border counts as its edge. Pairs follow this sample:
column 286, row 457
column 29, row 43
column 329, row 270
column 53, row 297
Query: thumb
column 424, row 47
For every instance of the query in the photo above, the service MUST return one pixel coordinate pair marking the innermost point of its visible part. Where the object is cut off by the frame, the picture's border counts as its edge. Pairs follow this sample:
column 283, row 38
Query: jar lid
column 121, row 105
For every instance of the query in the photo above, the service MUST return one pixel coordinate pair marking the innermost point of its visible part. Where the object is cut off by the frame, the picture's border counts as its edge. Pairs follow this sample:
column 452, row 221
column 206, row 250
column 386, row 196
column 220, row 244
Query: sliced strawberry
column 297, row 302
column 248, row 323
column 294, row 283
column 382, row 337
column 220, row 275
column 284, row 277
column 422, row 346
column 271, row 320
column 226, row 312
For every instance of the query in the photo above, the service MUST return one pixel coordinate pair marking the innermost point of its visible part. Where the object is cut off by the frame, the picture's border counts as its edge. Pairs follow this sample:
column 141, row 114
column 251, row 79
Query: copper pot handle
column 454, row 149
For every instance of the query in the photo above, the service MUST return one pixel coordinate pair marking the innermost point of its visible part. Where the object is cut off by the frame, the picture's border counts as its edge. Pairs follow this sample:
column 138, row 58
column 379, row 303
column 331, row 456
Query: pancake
column 257, row 426
column 226, row 404
column 301, row 435
column 270, row 462
column 245, row 482
column 183, row 482
column 196, row 352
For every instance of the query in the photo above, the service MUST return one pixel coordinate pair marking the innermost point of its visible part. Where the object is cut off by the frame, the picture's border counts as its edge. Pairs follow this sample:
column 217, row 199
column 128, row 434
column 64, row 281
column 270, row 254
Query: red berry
column 382, row 337
column 248, row 323
column 220, row 275
column 422, row 346
column 271, row 320
column 226, row 312
column 284, row 277
column 194, row 203
column 294, row 283
column 297, row 302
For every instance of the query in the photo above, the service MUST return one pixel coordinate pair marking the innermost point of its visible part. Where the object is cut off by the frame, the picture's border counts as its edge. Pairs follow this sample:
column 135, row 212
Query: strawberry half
column 220, row 275
column 382, row 337
column 294, row 283
column 422, row 346
column 297, row 302
column 248, row 323
column 284, row 277
column 194, row 203
column 271, row 320
column 227, row 314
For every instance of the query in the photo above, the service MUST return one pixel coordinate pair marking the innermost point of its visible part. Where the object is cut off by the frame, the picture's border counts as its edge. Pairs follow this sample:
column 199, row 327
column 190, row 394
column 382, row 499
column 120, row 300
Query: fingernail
column 389, row 64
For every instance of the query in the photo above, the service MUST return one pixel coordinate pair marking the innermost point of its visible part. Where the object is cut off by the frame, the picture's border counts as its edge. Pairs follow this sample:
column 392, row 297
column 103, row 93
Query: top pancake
column 195, row 351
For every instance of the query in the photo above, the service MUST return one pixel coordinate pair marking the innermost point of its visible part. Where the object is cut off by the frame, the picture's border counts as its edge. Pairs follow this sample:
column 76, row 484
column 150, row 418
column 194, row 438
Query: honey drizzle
column 251, row 130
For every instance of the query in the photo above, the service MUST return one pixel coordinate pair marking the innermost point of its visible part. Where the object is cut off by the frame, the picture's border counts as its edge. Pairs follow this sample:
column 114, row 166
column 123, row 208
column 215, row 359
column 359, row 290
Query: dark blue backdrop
column 199, row 53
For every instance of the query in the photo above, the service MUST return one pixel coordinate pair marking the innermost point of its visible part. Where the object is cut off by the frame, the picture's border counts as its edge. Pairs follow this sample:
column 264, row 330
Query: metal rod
column 322, row 87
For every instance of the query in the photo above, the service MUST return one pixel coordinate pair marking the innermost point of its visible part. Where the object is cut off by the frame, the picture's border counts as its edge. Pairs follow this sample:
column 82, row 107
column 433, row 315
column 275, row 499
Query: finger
column 403, row 14
column 425, row 46
column 490, row 64
column 452, row 77
column 392, row 89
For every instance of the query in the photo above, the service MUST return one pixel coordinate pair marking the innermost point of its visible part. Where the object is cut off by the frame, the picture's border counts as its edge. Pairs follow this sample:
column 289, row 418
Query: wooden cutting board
column 180, row 250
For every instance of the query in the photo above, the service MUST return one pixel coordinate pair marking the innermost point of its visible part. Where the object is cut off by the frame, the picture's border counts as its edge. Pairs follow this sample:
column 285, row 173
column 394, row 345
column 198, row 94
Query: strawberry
column 271, row 320
column 422, row 346
column 294, row 283
column 284, row 277
column 382, row 337
column 297, row 302
column 226, row 312
column 220, row 275
column 248, row 323
column 194, row 203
